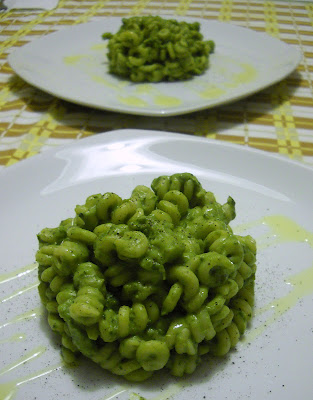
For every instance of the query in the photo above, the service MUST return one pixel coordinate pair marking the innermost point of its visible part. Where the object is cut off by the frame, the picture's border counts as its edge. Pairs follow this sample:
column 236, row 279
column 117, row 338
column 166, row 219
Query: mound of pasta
column 154, row 49
column 149, row 282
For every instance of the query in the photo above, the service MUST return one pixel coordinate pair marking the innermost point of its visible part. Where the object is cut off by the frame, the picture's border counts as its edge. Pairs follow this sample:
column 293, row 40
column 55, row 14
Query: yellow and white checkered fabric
column 278, row 119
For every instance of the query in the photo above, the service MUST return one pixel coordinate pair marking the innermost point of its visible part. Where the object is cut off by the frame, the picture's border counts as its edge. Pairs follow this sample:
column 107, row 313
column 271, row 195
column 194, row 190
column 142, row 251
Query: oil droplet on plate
column 37, row 352
column 144, row 88
column 73, row 60
column 15, row 338
column 248, row 74
column 302, row 285
column 282, row 230
column 17, row 273
column 99, row 46
column 9, row 389
column 27, row 315
column 132, row 101
column 167, row 101
column 212, row 92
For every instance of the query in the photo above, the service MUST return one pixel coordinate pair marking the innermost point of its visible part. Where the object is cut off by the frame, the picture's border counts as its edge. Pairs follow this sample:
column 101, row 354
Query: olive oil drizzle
column 19, row 292
column 282, row 230
column 18, row 273
column 38, row 351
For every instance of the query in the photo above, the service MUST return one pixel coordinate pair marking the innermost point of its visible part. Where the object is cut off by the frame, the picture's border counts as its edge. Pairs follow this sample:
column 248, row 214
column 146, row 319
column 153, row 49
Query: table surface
column 278, row 119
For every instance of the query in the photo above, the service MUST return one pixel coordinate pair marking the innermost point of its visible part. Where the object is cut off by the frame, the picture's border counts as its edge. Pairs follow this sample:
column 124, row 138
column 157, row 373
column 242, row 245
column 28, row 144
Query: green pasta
column 154, row 49
column 150, row 282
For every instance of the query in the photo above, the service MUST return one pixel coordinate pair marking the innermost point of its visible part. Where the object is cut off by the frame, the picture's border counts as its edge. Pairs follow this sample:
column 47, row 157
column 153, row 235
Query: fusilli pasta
column 150, row 282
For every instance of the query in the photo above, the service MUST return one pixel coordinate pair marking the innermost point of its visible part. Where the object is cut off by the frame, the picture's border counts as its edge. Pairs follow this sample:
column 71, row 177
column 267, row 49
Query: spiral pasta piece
column 188, row 280
column 242, row 305
column 152, row 355
column 181, row 364
column 212, row 268
column 88, row 300
column 86, row 214
column 222, row 242
column 106, row 204
column 127, row 321
column 186, row 183
column 186, row 333
column 145, row 198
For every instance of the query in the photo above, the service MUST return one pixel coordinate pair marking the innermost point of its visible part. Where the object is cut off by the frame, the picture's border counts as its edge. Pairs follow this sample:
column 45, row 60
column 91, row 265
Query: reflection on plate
column 243, row 63
column 274, row 356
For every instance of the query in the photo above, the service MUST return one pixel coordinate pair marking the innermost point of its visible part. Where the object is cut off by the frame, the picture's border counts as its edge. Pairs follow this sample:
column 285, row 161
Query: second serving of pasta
column 154, row 49
column 154, row 281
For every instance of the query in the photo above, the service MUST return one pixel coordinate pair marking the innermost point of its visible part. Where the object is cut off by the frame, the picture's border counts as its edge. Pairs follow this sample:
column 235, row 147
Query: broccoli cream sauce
column 282, row 230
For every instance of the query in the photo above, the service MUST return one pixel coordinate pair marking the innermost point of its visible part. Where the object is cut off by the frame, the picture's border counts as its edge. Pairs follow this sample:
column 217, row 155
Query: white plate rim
column 52, row 152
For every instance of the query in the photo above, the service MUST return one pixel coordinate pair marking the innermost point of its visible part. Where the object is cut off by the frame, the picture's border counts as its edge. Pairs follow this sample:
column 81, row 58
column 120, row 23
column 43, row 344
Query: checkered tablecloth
column 278, row 119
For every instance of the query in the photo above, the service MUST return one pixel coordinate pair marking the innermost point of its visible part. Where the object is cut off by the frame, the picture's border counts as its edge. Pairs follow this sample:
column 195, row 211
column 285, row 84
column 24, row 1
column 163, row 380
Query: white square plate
column 273, row 203
column 72, row 64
